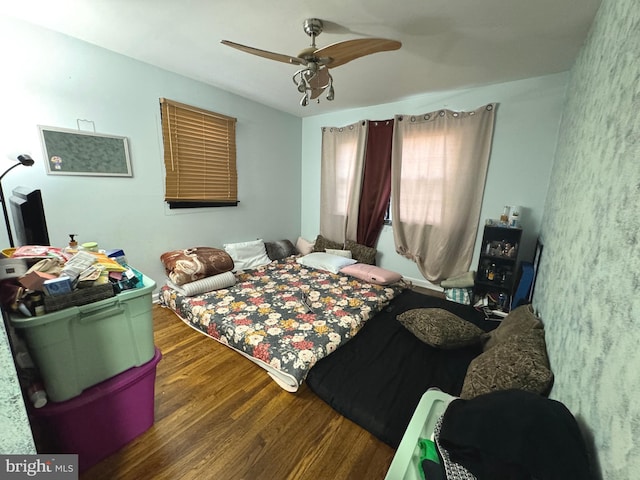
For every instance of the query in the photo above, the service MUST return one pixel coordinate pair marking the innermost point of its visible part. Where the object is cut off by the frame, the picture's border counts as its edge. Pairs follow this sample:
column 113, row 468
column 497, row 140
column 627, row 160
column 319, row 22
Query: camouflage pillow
column 440, row 328
column 519, row 363
column 322, row 243
column 361, row 253
column 519, row 320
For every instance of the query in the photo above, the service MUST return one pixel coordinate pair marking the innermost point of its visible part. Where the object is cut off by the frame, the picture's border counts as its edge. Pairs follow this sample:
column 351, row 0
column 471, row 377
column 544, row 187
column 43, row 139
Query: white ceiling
column 446, row 44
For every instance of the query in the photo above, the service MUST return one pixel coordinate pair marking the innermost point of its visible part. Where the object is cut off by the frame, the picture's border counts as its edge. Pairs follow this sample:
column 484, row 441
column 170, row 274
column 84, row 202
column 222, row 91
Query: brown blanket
column 191, row 264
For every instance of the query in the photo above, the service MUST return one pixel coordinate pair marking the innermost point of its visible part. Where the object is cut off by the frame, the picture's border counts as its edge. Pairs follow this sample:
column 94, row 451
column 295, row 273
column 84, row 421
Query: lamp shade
column 25, row 160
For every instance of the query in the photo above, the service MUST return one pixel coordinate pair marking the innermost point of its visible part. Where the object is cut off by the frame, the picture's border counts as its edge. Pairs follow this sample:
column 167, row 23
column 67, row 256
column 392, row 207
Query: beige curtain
column 341, row 179
column 439, row 165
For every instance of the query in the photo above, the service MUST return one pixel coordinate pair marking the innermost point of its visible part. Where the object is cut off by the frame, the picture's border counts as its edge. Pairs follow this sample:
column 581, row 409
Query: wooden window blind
column 199, row 156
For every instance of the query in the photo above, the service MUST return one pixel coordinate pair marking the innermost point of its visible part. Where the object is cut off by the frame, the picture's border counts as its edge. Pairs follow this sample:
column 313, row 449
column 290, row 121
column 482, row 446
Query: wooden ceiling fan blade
column 343, row 52
column 266, row 54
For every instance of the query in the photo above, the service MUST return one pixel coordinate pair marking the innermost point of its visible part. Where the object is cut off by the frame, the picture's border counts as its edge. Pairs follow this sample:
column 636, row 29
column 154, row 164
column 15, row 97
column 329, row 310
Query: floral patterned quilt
column 283, row 316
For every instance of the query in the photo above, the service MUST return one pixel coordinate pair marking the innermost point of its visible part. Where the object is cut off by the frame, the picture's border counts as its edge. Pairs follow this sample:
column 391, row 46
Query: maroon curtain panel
column 376, row 182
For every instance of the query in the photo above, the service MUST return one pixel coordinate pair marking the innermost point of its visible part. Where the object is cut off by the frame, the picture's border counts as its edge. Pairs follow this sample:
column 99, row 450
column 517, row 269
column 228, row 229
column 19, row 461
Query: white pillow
column 340, row 253
column 325, row 261
column 304, row 246
column 247, row 255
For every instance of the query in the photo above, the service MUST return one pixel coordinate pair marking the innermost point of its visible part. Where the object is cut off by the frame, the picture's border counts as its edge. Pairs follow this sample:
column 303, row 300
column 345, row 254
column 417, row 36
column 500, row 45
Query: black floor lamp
column 27, row 161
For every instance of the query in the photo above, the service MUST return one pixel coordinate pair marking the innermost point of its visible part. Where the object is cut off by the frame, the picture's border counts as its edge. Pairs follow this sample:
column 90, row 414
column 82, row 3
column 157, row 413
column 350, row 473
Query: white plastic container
column 406, row 462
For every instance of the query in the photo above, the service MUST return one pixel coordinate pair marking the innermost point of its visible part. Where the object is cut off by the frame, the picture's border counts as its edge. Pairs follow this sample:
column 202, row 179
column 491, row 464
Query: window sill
column 173, row 205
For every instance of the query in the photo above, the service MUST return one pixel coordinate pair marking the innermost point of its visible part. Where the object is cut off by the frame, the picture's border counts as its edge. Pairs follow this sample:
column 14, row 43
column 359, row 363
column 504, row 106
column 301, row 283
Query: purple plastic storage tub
column 102, row 419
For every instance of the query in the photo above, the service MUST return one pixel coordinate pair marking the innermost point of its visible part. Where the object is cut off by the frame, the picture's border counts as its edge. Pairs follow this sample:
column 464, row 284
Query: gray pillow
column 440, row 328
column 280, row 249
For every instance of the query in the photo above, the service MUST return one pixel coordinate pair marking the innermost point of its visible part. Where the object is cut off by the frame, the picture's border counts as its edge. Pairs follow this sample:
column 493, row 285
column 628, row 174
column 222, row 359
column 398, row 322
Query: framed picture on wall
column 75, row 152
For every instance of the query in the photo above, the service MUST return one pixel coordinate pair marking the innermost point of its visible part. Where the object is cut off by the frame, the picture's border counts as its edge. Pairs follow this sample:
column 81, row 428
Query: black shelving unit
column 497, row 265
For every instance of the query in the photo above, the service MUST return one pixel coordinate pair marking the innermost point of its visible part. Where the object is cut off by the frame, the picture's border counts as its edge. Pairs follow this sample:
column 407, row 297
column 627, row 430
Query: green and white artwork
column 74, row 152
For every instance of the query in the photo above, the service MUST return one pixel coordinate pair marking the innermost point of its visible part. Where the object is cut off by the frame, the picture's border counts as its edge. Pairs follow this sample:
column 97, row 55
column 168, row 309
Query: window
column 387, row 214
column 199, row 157
column 344, row 174
column 439, row 167
column 423, row 175
column 341, row 176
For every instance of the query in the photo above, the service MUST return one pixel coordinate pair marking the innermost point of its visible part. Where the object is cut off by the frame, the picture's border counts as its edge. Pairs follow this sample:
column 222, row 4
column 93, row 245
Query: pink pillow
column 304, row 246
column 371, row 273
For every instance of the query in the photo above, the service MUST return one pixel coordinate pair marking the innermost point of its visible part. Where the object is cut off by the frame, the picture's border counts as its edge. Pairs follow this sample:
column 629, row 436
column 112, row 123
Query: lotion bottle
column 73, row 245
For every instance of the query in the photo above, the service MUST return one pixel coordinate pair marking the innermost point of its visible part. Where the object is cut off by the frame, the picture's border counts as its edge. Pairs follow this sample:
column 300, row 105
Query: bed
column 370, row 351
column 284, row 316
column 419, row 342
column 377, row 379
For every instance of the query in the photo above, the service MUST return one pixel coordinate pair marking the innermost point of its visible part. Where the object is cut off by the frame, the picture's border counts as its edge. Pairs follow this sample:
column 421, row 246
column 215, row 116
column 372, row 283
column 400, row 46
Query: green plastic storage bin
column 406, row 462
column 81, row 346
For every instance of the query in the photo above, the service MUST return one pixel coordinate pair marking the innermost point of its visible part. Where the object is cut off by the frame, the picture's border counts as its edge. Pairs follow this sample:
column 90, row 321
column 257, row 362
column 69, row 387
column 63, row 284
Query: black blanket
column 514, row 435
column 377, row 378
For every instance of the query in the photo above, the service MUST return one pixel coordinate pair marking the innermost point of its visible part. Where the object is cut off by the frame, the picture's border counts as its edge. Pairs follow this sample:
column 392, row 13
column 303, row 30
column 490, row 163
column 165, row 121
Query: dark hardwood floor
column 219, row 416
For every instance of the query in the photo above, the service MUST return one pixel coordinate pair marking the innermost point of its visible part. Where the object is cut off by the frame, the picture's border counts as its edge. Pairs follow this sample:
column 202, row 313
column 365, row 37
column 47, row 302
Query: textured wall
column 588, row 291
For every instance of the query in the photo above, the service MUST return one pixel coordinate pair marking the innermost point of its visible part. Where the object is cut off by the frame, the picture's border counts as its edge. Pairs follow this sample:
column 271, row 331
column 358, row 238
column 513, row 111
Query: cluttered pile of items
column 36, row 279
column 80, row 326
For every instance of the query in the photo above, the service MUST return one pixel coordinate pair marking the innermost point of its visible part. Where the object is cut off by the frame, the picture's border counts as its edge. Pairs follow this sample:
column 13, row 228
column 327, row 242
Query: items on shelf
column 514, row 217
column 501, row 248
column 510, row 217
column 504, row 218
column 497, row 265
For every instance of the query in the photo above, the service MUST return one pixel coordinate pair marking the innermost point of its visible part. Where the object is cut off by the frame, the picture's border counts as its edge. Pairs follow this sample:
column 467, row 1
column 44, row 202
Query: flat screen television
column 29, row 220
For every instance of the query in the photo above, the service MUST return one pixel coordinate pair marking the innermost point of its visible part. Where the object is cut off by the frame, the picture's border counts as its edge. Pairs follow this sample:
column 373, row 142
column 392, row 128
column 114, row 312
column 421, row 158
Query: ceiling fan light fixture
column 331, row 94
column 308, row 81
column 302, row 86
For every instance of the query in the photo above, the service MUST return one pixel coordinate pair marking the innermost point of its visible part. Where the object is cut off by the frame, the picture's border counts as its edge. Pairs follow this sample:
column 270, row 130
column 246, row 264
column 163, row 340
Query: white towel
column 208, row 284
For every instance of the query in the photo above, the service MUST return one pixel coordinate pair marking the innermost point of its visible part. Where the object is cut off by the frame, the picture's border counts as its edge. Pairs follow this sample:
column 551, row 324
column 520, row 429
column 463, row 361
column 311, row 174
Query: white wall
column 525, row 135
column 54, row 80
column 50, row 79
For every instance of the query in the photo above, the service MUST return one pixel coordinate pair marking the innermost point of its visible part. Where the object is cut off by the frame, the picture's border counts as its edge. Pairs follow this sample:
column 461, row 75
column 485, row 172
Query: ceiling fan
column 314, row 78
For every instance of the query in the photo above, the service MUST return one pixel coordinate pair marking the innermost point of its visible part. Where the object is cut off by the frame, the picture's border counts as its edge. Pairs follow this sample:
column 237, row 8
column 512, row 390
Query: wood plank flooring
column 219, row 416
